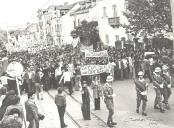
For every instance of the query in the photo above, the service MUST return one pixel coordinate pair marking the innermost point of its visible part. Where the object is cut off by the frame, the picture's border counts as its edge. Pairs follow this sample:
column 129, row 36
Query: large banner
column 96, row 54
column 100, row 58
column 94, row 69
column 84, row 48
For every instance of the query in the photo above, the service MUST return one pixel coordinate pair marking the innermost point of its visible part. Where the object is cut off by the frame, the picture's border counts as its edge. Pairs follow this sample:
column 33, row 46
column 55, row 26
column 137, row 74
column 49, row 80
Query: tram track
column 68, row 115
column 90, row 110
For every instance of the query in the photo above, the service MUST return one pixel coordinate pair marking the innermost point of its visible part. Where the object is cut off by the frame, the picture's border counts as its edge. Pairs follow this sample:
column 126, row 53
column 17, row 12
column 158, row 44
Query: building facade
column 109, row 16
column 50, row 24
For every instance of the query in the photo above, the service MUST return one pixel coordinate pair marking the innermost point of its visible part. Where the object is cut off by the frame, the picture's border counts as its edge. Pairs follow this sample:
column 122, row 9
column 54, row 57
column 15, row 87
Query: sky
column 14, row 13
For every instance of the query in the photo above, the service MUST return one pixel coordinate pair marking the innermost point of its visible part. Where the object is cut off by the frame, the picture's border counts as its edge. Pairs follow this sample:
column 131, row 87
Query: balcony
column 114, row 21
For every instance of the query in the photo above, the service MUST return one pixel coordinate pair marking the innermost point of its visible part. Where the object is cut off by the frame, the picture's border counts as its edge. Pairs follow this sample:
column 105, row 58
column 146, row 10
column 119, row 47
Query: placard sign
column 94, row 69
column 96, row 54
column 15, row 69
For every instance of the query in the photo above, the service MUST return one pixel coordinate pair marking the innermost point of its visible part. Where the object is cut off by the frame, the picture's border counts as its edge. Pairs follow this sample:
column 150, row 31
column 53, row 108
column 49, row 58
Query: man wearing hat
column 158, row 83
column 108, row 99
column 167, row 85
column 141, row 88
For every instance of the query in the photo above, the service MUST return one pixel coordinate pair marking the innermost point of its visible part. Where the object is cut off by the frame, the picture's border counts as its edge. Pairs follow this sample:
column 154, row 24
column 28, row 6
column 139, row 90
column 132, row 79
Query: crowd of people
column 60, row 67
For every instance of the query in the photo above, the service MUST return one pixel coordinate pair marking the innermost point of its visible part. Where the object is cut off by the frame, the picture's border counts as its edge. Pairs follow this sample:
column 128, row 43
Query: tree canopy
column 87, row 31
column 148, row 16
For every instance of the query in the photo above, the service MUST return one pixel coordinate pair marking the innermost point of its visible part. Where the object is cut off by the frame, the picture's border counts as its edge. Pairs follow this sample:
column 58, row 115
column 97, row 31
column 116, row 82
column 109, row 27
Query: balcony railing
column 114, row 21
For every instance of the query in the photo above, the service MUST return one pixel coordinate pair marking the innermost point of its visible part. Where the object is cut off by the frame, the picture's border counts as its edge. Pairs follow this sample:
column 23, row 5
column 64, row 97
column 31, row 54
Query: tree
column 148, row 17
column 87, row 32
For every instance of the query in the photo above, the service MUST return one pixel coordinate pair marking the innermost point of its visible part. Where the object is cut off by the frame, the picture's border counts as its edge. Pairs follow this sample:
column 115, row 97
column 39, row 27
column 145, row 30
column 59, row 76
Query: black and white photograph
column 86, row 63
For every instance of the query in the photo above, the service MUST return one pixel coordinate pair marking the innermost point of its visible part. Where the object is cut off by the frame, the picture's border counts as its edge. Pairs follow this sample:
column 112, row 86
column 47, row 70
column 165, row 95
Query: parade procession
column 87, row 64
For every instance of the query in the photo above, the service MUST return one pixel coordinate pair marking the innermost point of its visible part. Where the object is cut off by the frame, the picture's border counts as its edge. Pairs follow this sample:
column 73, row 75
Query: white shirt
column 125, row 63
column 66, row 76
column 1, row 99
column 71, row 68
column 58, row 71
column 30, row 75
column 130, row 61
column 1, row 86
column 4, row 80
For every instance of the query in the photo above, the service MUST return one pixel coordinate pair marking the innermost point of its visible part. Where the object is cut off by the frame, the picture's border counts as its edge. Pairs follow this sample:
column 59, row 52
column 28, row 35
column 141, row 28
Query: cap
column 140, row 73
column 165, row 67
column 109, row 79
column 157, row 69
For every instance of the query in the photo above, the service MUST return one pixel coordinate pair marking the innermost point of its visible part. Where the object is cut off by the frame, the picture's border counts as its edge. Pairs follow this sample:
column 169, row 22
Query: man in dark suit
column 60, row 101
column 32, row 111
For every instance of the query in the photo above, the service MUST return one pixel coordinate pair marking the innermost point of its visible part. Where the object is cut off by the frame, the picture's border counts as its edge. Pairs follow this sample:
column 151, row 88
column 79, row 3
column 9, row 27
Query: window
column 117, row 37
column 114, row 7
column 107, row 39
column 104, row 12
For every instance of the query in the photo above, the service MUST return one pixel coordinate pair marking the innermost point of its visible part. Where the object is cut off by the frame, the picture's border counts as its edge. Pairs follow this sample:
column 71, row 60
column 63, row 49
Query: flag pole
column 19, row 94
column 8, row 41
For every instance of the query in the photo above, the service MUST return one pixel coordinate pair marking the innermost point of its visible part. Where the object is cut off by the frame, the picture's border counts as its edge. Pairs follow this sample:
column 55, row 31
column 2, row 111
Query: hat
column 140, row 73
column 109, row 79
column 165, row 67
column 157, row 69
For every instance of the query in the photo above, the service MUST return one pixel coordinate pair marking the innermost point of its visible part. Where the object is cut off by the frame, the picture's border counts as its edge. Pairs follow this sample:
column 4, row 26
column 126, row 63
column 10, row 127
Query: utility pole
column 172, row 12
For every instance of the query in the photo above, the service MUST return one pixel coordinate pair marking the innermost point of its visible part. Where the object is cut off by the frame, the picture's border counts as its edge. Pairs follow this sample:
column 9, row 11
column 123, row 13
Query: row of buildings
column 56, row 23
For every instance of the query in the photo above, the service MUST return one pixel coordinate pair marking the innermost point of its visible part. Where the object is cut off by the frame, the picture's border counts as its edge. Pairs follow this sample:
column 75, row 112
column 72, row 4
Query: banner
column 84, row 48
column 94, row 69
column 96, row 54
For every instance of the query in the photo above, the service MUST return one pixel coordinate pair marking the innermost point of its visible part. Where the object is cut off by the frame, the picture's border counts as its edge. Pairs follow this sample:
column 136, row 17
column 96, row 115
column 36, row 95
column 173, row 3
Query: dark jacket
column 31, row 111
column 60, row 100
column 37, row 78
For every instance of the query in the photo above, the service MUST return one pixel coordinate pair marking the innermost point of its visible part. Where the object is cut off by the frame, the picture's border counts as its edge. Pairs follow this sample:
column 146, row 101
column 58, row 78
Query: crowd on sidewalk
column 60, row 67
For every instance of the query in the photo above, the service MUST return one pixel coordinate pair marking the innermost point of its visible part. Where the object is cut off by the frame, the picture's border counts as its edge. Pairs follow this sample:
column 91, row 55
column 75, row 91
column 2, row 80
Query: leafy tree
column 87, row 32
column 148, row 17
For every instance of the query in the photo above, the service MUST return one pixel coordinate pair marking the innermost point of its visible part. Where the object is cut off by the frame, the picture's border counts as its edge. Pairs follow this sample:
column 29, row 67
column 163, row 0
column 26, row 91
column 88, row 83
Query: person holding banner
column 108, row 99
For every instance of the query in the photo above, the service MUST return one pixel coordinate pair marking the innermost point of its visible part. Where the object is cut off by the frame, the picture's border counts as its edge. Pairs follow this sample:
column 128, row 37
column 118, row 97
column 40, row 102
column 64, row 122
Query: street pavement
column 125, row 106
column 74, row 109
column 49, row 109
